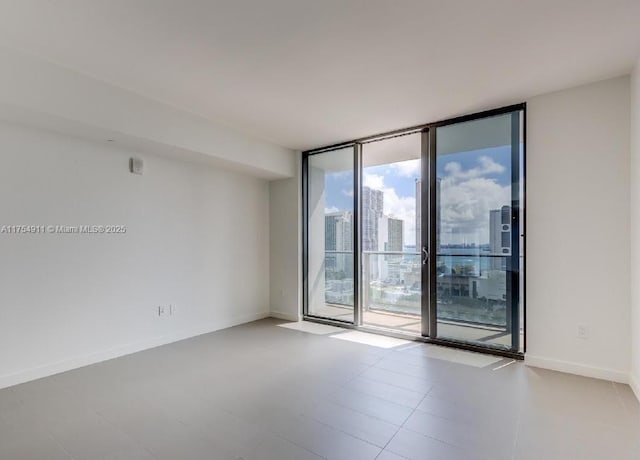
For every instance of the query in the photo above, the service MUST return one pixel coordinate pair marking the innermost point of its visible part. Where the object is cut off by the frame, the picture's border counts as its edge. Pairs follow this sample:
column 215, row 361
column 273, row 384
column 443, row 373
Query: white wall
column 578, row 230
column 39, row 93
column 285, row 248
column 196, row 238
column 635, row 230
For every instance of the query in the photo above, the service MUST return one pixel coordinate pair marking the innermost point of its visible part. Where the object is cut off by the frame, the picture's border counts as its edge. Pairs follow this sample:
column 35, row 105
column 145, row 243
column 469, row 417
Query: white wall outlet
column 172, row 309
column 583, row 331
column 161, row 310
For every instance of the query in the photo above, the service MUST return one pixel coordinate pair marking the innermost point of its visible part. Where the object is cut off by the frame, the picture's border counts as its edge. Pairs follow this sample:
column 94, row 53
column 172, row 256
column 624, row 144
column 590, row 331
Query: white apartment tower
column 372, row 206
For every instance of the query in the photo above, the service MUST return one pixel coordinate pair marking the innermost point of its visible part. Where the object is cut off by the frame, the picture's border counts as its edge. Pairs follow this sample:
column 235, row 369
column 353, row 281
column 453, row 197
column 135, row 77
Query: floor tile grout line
column 340, row 430
column 372, row 396
column 401, row 374
column 59, row 444
column 373, row 365
column 357, row 411
column 405, row 421
column 406, row 406
column 439, row 417
column 276, row 433
column 364, row 413
column 517, row 434
column 515, row 440
column 268, row 430
column 447, row 443
column 442, row 417
column 92, row 410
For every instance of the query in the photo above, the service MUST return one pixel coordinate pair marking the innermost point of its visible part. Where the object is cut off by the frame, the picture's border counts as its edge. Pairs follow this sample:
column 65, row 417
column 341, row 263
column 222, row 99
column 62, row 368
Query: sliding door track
column 487, row 350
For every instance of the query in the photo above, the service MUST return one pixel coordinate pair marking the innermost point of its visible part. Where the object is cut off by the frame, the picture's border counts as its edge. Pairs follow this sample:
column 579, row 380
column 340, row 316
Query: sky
column 472, row 184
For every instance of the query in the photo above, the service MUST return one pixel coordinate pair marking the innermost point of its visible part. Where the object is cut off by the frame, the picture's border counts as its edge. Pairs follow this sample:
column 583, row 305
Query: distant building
column 371, row 210
column 390, row 239
column 500, row 236
column 338, row 238
column 337, row 231
column 390, row 234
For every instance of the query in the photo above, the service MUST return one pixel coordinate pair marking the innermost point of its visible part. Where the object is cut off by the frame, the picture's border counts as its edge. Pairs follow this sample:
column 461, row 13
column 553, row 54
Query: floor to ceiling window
column 330, row 268
column 389, row 216
column 477, row 252
column 421, row 232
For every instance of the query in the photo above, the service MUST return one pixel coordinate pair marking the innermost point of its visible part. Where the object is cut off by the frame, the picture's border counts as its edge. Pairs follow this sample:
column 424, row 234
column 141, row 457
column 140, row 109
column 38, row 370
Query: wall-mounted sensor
column 136, row 165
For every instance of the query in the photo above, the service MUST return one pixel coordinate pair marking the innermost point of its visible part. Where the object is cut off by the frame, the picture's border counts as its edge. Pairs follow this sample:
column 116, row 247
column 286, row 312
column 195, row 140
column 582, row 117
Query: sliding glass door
column 420, row 232
column 390, row 227
column 330, row 227
column 476, row 245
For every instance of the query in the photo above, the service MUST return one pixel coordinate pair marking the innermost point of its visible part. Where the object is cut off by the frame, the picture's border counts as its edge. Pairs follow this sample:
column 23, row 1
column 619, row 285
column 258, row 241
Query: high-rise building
column 330, row 231
column 500, row 236
column 390, row 239
column 372, row 206
column 337, row 231
column 396, row 235
column 338, row 237
column 390, row 234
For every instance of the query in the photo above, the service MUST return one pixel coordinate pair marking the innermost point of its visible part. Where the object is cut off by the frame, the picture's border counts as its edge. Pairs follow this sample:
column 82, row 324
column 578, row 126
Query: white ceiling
column 306, row 73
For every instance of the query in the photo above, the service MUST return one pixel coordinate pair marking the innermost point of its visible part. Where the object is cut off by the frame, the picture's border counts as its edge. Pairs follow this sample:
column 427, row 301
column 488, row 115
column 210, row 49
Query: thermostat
column 136, row 165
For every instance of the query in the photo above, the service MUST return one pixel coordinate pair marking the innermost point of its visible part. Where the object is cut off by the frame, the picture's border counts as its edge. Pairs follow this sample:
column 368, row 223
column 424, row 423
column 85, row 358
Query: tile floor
column 263, row 392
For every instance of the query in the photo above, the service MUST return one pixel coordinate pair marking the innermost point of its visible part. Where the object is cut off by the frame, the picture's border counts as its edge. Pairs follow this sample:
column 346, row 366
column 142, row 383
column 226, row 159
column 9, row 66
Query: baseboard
column 47, row 370
column 284, row 316
column 577, row 369
column 634, row 383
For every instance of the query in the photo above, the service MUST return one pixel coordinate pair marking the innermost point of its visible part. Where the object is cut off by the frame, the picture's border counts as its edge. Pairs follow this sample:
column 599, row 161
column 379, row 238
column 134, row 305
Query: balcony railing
column 471, row 288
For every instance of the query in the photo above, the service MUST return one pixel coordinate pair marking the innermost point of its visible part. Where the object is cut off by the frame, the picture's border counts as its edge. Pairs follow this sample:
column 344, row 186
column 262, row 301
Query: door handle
column 425, row 255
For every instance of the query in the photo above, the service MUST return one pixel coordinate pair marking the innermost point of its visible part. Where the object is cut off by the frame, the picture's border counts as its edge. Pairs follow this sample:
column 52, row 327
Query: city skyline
column 471, row 185
column 380, row 232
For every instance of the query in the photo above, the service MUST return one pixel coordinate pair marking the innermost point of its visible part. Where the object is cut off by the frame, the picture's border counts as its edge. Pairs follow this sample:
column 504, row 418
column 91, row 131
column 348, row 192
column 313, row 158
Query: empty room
column 306, row 230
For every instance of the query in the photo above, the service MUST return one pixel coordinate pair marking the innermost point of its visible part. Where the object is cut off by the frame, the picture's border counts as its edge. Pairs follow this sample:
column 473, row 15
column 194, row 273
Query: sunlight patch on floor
column 374, row 340
column 312, row 328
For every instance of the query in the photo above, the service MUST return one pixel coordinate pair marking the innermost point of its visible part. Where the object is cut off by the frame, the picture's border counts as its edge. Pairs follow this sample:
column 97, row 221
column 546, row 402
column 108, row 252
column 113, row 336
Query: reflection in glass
column 474, row 165
column 330, row 235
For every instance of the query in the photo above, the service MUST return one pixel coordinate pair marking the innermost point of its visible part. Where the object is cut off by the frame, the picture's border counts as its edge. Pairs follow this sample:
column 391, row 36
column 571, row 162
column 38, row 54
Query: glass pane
column 391, row 264
column 474, row 231
column 330, row 232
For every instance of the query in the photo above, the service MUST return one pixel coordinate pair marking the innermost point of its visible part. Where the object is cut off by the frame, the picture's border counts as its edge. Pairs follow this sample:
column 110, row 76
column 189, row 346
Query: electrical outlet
column 583, row 331
column 161, row 310
column 172, row 309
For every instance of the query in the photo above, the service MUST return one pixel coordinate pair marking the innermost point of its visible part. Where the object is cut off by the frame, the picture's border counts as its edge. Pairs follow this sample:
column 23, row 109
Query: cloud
column 486, row 166
column 348, row 192
column 373, row 181
column 466, row 199
column 409, row 168
column 330, row 210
